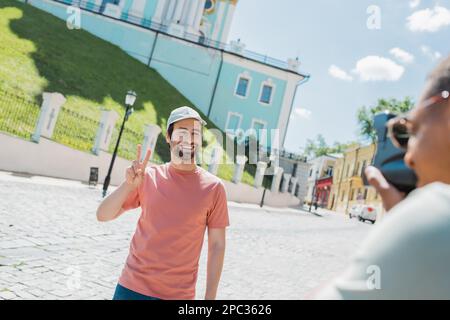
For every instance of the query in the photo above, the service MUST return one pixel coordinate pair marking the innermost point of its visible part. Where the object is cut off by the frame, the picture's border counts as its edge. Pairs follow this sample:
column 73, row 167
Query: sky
column 356, row 52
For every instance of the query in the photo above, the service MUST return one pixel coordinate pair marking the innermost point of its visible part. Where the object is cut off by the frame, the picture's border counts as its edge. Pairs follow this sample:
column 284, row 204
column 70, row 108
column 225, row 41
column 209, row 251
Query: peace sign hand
column 135, row 173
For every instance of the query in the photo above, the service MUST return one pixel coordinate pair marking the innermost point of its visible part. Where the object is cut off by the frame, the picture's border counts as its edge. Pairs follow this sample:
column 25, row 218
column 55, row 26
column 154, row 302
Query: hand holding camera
column 389, row 194
column 389, row 174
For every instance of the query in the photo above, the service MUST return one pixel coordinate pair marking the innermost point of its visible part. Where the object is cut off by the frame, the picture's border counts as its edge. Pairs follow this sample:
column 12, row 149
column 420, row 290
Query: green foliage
column 365, row 115
column 318, row 147
column 18, row 116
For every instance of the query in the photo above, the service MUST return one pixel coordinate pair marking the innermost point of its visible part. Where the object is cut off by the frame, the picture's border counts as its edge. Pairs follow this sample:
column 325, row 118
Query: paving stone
column 61, row 293
column 25, row 295
column 7, row 295
column 271, row 254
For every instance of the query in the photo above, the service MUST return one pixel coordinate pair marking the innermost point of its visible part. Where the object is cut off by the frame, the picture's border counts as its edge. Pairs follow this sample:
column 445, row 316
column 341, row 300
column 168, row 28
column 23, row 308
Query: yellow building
column 348, row 187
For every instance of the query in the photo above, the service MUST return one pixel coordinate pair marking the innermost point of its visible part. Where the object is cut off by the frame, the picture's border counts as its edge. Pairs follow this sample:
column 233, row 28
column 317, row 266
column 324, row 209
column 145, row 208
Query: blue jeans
column 123, row 293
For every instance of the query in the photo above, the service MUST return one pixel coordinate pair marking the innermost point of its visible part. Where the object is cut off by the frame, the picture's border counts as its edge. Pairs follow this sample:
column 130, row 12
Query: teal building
column 186, row 41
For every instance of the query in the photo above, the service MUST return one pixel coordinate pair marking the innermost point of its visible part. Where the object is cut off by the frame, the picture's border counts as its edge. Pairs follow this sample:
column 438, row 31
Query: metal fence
column 75, row 130
column 18, row 115
column 128, row 142
column 78, row 131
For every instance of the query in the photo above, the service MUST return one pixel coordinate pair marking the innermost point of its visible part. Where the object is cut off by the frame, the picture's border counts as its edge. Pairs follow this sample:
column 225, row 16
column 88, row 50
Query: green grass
column 19, row 121
column 38, row 53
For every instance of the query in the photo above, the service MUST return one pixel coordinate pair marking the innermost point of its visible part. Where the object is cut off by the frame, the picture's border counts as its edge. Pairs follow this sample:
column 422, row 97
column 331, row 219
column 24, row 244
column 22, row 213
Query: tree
column 365, row 115
column 318, row 147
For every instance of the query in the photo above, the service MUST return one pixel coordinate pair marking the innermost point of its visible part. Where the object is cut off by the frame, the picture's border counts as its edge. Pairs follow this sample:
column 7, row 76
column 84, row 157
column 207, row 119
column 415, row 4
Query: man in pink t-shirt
column 179, row 200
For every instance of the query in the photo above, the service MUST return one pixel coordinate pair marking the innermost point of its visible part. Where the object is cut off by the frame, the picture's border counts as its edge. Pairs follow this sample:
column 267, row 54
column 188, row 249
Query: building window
column 266, row 94
column 242, row 87
column 259, row 126
column 233, row 122
column 363, row 168
column 329, row 171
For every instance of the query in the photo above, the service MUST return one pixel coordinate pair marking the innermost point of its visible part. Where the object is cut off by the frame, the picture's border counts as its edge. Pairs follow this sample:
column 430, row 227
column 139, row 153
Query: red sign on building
column 323, row 189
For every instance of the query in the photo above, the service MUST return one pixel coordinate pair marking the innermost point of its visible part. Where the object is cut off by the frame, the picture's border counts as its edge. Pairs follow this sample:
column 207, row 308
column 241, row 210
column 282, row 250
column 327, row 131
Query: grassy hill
column 38, row 53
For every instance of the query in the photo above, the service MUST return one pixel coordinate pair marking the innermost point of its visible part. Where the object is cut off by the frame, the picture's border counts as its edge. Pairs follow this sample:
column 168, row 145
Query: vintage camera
column 389, row 159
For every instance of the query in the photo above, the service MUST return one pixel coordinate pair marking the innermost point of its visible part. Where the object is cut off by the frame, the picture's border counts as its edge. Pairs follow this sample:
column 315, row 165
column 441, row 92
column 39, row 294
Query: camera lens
column 400, row 132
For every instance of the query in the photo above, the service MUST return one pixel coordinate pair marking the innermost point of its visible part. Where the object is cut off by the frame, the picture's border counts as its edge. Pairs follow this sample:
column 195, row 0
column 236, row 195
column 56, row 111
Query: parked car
column 354, row 212
column 363, row 213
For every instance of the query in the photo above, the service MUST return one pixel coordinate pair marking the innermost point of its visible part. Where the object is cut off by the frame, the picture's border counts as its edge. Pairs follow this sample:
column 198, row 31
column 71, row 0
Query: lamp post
column 129, row 102
column 313, row 196
column 271, row 158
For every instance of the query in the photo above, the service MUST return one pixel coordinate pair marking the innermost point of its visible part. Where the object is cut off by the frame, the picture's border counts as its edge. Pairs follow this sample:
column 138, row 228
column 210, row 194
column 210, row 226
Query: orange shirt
column 165, row 249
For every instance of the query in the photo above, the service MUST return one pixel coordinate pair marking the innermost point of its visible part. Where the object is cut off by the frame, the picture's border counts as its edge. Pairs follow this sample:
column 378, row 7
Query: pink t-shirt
column 177, row 206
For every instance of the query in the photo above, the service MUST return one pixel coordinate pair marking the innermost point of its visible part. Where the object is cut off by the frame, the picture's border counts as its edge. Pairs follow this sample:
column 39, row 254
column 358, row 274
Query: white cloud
column 374, row 68
column 430, row 20
column 414, row 4
column 338, row 73
column 303, row 113
column 402, row 55
column 433, row 55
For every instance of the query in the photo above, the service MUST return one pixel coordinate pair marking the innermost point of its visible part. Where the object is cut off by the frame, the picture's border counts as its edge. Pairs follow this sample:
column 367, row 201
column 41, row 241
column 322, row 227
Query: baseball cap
column 184, row 113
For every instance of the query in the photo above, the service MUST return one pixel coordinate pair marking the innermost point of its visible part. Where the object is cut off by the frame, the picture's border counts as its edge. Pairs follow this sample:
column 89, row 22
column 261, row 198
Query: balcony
column 86, row 5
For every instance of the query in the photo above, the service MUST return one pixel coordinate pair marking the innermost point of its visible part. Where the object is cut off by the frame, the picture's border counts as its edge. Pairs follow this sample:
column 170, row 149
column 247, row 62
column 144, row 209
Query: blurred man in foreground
column 407, row 256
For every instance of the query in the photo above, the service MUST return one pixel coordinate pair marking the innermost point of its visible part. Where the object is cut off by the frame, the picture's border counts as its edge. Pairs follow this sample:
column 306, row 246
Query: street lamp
column 313, row 196
column 269, row 164
column 130, row 98
column 129, row 102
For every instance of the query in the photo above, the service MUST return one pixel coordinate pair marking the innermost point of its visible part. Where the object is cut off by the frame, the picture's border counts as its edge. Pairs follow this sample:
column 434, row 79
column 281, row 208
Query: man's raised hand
column 135, row 173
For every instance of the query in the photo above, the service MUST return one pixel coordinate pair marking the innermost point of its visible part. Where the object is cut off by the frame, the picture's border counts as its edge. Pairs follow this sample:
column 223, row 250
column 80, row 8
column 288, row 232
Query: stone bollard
column 239, row 168
column 51, row 105
column 285, row 184
column 105, row 130
column 294, row 184
column 260, row 171
column 151, row 134
column 278, row 173
column 216, row 157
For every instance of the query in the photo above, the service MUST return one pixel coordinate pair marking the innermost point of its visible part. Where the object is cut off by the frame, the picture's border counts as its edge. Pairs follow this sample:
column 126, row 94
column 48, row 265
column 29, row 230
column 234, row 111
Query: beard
column 184, row 153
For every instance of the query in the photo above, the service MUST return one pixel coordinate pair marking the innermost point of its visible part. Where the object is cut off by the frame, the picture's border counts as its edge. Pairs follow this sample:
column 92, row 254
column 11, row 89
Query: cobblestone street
column 52, row 247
